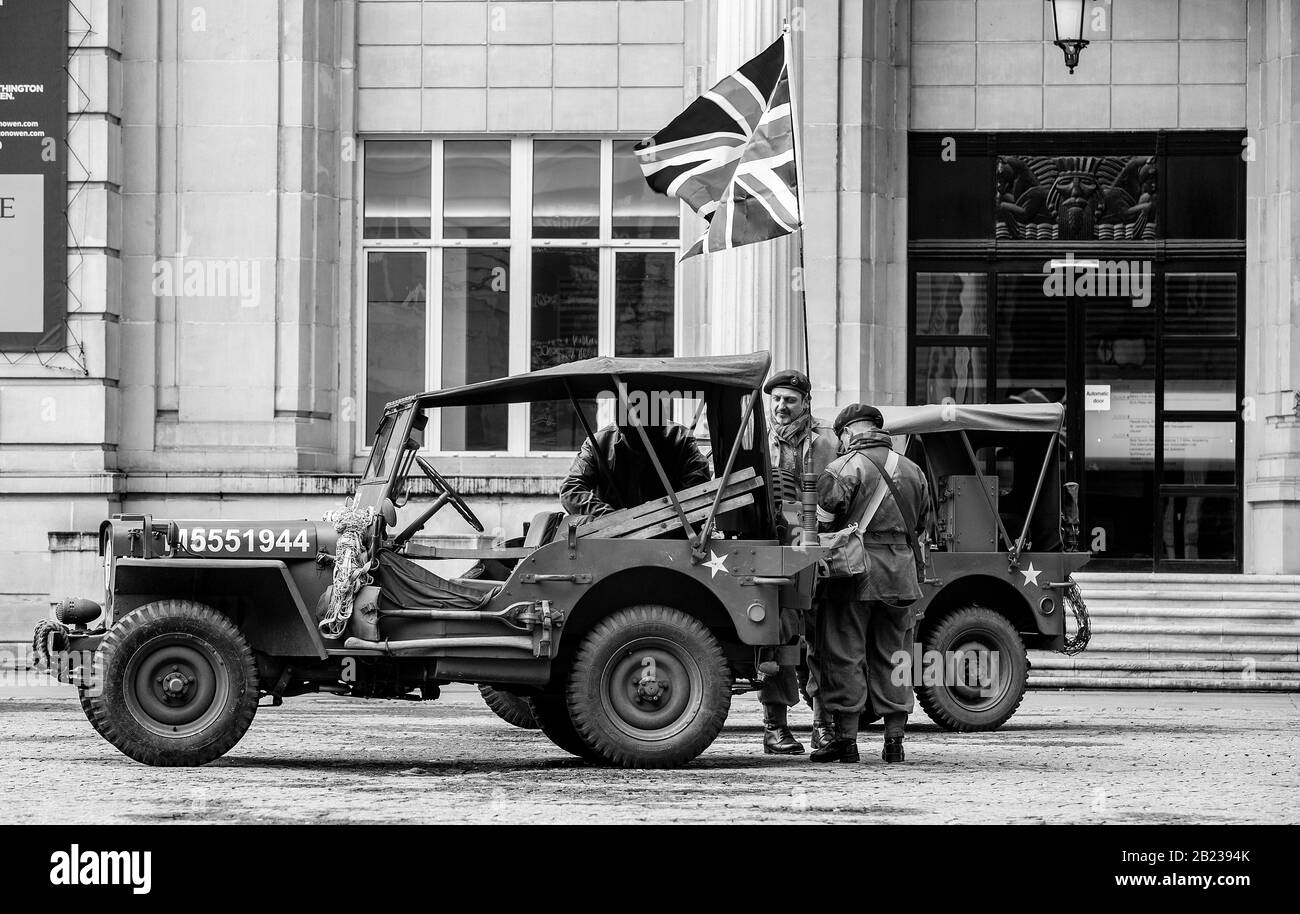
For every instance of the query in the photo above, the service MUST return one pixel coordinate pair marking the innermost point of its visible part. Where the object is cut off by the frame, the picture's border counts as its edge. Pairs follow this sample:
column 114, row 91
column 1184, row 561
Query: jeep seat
column 541, row 530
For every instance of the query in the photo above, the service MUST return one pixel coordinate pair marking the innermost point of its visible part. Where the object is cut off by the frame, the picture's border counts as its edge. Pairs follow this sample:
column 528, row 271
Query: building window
column 489, row 257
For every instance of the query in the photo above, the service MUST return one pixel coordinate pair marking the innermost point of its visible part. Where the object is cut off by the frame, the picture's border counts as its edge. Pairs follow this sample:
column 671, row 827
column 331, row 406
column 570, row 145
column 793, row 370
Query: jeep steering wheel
column 444, row 488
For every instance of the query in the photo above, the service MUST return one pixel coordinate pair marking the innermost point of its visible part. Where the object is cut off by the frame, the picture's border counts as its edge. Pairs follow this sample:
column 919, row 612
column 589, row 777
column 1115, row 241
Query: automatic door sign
column 1096, row 397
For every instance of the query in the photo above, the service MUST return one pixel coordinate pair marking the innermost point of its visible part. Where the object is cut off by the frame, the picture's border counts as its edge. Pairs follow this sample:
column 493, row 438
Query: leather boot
column 893, row 749
column 777, row 738
column 823, row 732
column 840, row 749
column 844, row 746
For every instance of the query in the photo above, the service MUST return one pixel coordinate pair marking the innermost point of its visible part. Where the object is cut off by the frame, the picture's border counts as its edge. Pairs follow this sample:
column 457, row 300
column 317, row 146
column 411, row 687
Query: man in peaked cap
column 799, row 443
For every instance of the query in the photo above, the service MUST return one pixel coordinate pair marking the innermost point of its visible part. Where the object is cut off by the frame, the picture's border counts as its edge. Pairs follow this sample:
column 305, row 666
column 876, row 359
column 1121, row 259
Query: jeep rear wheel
column 178, row 685
column 511, row 708
column 552, row 716
column 987, row 655
column 649, row 688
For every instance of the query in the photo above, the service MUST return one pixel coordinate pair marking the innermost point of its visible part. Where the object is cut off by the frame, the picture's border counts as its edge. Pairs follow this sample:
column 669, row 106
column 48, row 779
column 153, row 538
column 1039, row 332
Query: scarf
column 789, row 440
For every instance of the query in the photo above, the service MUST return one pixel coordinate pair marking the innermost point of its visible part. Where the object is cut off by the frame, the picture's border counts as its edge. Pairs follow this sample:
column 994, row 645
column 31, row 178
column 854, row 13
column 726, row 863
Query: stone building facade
column 241, row 304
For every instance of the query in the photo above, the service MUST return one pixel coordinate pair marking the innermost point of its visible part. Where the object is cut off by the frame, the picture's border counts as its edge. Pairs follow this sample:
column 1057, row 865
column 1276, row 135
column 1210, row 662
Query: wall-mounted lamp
column 1068, row 15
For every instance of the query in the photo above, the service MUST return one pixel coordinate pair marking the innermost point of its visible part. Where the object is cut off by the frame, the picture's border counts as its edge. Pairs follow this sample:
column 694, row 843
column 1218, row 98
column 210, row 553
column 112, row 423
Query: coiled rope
column 1077, row 642
column 351, row 570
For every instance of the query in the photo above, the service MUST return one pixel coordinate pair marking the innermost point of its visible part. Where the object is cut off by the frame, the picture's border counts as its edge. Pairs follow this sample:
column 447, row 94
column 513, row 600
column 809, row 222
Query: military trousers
column 785, row 686
column 857, row 645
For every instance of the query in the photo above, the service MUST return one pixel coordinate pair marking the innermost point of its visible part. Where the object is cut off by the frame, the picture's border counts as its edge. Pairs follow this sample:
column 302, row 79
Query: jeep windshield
column 388, row 452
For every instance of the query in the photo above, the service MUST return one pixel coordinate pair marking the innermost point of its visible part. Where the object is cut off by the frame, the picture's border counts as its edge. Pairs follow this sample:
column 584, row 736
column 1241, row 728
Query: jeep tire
column 974, row 706
column 511, row 708
column 552, row 716
column 649, row 688
column 178, row 684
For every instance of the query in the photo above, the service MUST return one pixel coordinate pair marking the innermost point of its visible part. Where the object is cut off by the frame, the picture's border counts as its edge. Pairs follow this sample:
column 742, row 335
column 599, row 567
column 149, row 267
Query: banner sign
column 33, row 173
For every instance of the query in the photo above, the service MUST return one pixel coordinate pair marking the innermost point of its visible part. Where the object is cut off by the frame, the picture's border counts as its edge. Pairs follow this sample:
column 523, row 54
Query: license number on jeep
column 252, row 541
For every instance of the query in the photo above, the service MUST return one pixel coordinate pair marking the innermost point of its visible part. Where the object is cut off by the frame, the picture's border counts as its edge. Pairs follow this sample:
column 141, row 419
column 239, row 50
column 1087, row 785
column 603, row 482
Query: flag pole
column 796, row 126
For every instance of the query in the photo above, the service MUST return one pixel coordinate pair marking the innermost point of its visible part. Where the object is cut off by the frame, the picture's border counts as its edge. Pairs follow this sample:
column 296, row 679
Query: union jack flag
column 730, row 156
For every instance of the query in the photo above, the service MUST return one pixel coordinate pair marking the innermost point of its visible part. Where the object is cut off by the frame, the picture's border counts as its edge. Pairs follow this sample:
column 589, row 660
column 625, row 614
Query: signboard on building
column 33, row 173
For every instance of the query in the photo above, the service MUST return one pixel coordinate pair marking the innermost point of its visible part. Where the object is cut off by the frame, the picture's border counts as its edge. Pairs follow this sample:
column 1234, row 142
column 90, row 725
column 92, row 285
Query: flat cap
column 795, row 380
column 858, row 412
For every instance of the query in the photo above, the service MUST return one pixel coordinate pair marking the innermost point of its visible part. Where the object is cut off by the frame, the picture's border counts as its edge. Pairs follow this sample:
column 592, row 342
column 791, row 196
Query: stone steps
column 1183, row 631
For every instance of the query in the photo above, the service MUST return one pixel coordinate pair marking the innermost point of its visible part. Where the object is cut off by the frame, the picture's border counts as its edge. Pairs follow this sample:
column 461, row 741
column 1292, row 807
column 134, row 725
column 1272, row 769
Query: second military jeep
column 1003, row 544
column 625, row 634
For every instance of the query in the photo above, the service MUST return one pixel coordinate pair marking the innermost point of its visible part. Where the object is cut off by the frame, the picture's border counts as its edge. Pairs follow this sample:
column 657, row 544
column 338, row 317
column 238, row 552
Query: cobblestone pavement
column 1137, row 757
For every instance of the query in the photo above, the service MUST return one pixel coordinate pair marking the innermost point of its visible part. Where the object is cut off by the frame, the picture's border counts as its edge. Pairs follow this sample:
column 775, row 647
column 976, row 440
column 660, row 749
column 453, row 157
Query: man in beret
column 867, row 618
column 799, row 444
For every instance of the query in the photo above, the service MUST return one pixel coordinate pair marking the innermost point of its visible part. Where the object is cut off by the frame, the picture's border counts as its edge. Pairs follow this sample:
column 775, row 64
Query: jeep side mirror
column 388, row 511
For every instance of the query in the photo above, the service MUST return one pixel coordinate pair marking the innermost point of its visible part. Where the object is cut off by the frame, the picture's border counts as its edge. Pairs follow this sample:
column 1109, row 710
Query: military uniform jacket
column 586, row 490
column 845, row 494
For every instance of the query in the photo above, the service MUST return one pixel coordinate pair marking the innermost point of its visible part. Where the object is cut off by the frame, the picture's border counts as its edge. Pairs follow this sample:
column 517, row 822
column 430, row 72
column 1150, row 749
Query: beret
column 795, row 380
column 858, row 412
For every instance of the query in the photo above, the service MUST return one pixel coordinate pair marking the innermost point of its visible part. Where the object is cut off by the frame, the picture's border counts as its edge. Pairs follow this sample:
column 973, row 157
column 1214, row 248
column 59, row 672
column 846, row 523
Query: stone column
column 1272, row 302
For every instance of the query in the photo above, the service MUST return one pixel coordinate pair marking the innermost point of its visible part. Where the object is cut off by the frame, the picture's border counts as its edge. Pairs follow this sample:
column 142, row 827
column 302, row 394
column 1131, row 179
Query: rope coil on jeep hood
column 351, row 570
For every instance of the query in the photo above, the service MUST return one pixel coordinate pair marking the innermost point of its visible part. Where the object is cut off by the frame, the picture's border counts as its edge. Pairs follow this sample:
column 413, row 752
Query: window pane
column 638, row 211
column 1199, row 453
column 1203, row 195
column 956, row 372
column 1031, row 341
column 643, row 303
column 476, row 188
column 398, row 176
column 395, row 313
column 566, row 189
column 1199, row 526
column 951, row 303
column 1200, row 377
column 947, row 197
column 1201, row 303
column 475, row 342
column 565, row 325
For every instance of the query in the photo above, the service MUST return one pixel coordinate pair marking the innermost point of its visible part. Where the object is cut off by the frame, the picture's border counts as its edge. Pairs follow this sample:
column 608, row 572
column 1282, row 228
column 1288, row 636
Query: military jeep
column 625, row 634
column 1002, row 546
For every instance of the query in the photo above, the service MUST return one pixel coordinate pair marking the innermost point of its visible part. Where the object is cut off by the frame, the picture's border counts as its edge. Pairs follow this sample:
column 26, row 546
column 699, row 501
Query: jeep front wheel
column 178, row 685
column 983, row 674
column 649, row 688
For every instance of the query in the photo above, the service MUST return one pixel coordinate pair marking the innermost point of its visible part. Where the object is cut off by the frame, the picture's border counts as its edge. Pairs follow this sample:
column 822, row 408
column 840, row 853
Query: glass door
column 1116, row 417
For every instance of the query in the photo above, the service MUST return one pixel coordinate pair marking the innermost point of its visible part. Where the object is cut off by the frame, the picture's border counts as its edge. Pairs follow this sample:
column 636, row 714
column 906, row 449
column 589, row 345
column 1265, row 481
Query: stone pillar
column 232, row 243
column 856, row 252
column 1272, row 427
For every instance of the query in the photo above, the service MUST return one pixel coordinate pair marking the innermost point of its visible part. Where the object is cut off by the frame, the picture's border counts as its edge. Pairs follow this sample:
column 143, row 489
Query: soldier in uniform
column 867, row 618
column 799, row 443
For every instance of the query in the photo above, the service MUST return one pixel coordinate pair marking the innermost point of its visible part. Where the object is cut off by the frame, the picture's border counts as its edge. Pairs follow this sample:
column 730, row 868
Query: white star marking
column 719, row 563
column 1031, row 574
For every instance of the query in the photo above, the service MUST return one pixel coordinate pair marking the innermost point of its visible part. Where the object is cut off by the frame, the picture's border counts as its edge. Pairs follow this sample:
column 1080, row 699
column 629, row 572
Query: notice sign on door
column 33, row 173
column 1096, row 397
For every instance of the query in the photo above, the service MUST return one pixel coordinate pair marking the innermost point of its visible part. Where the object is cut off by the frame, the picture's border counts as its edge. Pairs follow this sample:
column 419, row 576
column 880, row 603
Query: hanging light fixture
column 1068, row 16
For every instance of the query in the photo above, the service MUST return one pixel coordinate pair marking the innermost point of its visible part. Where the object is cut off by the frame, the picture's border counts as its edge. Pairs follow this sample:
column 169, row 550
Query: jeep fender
column 259, row 595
